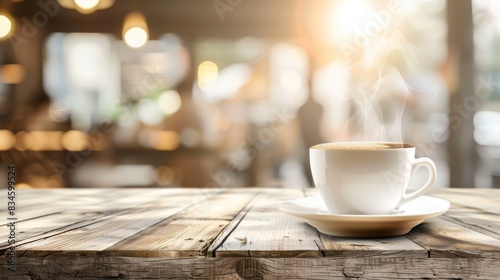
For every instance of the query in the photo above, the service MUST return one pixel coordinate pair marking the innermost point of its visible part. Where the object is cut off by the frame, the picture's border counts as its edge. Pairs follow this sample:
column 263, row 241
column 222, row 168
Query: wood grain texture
column 188, row 233
column 377, row 268
column 359, row 248
column 95, row 227
column 236, row 234
column 266, row 232
column 446, row 239
column 485, row 200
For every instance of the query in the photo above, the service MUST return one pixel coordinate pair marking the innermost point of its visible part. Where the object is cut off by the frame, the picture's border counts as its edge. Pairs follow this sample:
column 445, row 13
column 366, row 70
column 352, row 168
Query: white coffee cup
column 367, row 177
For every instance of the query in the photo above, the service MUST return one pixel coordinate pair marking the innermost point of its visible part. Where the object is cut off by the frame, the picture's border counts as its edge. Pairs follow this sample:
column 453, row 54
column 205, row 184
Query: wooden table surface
column 235, row 234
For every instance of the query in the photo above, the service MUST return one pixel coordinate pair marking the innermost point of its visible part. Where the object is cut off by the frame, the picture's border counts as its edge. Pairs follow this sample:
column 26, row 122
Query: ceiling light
column 135, row 30
column 6, row 26
column 86, row 6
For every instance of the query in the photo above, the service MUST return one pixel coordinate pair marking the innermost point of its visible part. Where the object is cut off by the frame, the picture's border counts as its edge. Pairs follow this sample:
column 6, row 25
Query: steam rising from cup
column 378, row 91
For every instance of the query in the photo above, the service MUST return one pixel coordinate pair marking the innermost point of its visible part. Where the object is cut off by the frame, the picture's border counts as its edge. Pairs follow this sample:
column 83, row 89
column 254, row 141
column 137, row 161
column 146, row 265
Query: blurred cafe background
column 231, row 93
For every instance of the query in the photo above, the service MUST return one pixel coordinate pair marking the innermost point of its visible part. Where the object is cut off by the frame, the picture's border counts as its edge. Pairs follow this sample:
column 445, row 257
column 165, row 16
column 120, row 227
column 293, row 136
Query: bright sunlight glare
column 345, row 16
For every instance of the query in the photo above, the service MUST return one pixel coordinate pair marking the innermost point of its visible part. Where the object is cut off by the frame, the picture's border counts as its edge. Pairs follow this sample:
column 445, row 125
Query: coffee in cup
column 368, row 178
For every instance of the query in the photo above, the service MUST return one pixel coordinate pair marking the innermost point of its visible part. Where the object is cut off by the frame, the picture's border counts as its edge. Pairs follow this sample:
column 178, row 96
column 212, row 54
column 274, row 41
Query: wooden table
column 234, row 233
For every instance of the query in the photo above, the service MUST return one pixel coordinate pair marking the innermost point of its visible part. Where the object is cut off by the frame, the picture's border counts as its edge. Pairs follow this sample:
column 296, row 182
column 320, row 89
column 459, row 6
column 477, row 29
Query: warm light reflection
column 75, row 140
column 164, row 140
column 135, row 30
column 23, row 186
column 23, row 141
column 169, row 102
column 45, row 141
column 87, row 4
column 7, row 140
column 207, row 74
column 40, row 140
column 12, row 73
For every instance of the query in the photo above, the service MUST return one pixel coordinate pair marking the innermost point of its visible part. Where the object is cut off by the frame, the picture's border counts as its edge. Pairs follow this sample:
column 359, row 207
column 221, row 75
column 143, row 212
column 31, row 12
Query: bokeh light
column 12, row 73
column 6, row 26
column 207, row 74
column 164, row 140
column 169, row 102
column 23, row 186
column 87, row 4
column 136, row 37
column 75, row 140
column 135, row 30
column 45, row 140
column 7, row 140
column 148, row 111
column 23, row 141
column 291, row 80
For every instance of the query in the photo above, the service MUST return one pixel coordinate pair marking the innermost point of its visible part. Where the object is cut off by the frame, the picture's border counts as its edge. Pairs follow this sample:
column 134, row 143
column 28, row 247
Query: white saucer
column 365, row 226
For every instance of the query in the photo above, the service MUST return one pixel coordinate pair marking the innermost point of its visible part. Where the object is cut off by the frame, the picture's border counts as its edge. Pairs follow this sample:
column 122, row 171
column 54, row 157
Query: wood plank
column 486, row 223
column 230, row 228
column 122, row 218
column 188, row 233
column 29, row 206
column 462, row 244
column 36, row 229
column 69, row 211
column 476, row 209
column 52, row 202
column 177, row 239
column 463, row 195
column 224, row 206
column 58, row 217
column 473, row 198
column 361, row 248
column 377, row 268
column 266, row 232
column 482, row 192
column 445, row 239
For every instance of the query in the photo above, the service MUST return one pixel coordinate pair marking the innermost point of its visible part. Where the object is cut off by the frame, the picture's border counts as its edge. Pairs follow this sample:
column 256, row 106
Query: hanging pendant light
column 6, row 25
column 86, row 6
column 135, row 30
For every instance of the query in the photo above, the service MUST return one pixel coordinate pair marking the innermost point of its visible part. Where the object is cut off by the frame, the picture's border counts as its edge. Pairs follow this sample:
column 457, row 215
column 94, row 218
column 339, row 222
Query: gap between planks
column 86, row 235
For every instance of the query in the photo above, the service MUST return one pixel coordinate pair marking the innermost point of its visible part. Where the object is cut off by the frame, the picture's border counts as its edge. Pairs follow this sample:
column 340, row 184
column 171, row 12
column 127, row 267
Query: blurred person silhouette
column 309, row 118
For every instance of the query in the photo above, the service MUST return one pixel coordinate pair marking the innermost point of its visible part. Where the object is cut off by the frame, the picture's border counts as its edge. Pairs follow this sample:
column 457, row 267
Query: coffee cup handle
column 420, row 162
